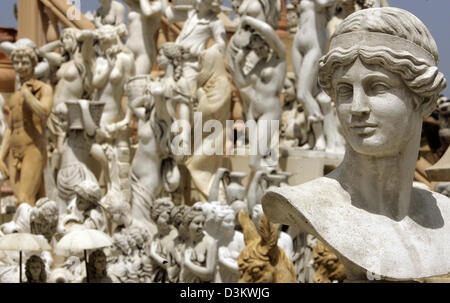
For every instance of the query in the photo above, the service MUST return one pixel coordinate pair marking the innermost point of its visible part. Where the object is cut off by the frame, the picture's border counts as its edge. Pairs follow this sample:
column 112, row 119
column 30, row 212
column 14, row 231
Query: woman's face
column 162, row 222
column 196, row 226
column 228, row 223
column 35, row 270
column 376, row 109
column 68, row 43
column 162, row 60
column 259, row 46
column 100, row 263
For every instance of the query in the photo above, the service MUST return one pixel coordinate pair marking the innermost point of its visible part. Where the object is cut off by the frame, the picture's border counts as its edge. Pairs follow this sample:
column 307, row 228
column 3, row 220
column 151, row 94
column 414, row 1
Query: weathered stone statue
column 381, row 71
column 23, row 152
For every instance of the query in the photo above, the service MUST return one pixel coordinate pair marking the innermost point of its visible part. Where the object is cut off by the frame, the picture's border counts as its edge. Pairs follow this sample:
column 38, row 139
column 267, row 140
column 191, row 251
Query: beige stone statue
column 262, row 260
column 214, row 103
column 381, row 71
column 23, row 152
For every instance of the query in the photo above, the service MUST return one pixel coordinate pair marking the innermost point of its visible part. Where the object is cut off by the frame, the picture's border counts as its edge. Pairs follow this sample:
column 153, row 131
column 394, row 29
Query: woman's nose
column 360, row 102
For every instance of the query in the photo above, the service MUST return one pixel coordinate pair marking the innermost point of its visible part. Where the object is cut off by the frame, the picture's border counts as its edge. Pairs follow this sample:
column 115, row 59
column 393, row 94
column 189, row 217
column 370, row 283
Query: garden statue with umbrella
column 82, row 240
column 23, row 242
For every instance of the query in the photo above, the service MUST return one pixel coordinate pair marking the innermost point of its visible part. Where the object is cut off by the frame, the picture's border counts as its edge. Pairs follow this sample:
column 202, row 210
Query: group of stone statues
column 74, row 164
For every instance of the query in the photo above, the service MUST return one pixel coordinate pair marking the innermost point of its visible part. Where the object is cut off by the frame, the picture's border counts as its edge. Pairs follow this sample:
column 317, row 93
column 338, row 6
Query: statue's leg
column 305, row 91
column 33, row 164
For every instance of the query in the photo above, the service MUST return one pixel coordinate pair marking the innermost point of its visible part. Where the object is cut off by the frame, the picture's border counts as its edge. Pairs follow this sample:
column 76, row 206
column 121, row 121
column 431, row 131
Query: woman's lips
column 363, row 128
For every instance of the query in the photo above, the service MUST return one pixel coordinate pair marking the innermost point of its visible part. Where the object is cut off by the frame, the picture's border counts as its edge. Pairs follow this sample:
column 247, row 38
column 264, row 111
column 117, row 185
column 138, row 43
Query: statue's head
column 381, row 71
column 24, row 60
column 44, row 218
column 69, row 39
column 213, row 6
column 161, row 214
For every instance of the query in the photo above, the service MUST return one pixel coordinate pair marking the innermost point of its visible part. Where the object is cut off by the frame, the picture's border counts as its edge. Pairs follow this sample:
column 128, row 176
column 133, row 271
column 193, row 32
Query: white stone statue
column 176, row 247
column 230, row 245
column 200, row 25
column 200, row 256
column 159, row 247
column 113, row 67
column 144, row 18
column 78, row 120
column 84, row 211
column 110, row 12
column 309, row 45
column 154, row 105
column 74, row 66
column 260, row 88
column 214, row 103
column 382, row 72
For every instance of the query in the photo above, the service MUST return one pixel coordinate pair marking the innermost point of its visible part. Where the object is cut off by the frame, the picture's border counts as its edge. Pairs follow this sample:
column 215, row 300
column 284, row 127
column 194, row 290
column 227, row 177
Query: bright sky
column 433, row 13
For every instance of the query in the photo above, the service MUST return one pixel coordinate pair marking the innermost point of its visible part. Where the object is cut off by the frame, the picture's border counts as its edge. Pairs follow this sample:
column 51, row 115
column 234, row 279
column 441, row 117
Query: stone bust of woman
column 381, row 70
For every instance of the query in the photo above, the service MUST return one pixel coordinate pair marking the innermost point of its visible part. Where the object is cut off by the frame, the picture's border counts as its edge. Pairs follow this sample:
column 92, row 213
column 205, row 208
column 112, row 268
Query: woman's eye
column 380, row 87
column 344, row 91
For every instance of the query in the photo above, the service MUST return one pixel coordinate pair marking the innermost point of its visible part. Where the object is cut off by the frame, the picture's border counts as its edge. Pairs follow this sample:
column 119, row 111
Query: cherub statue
column 262, row 260
column 23, row 153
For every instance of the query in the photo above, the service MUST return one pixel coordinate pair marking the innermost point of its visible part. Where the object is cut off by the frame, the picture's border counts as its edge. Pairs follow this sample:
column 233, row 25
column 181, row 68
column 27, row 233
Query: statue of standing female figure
column 144, row 19
column 260, row 88
column 309, row 45
column 74, row 83
column 153, row 102
column 112, row 69
column 200, row 256
column 23, row 153
column 214, row 103
column 74, row 76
